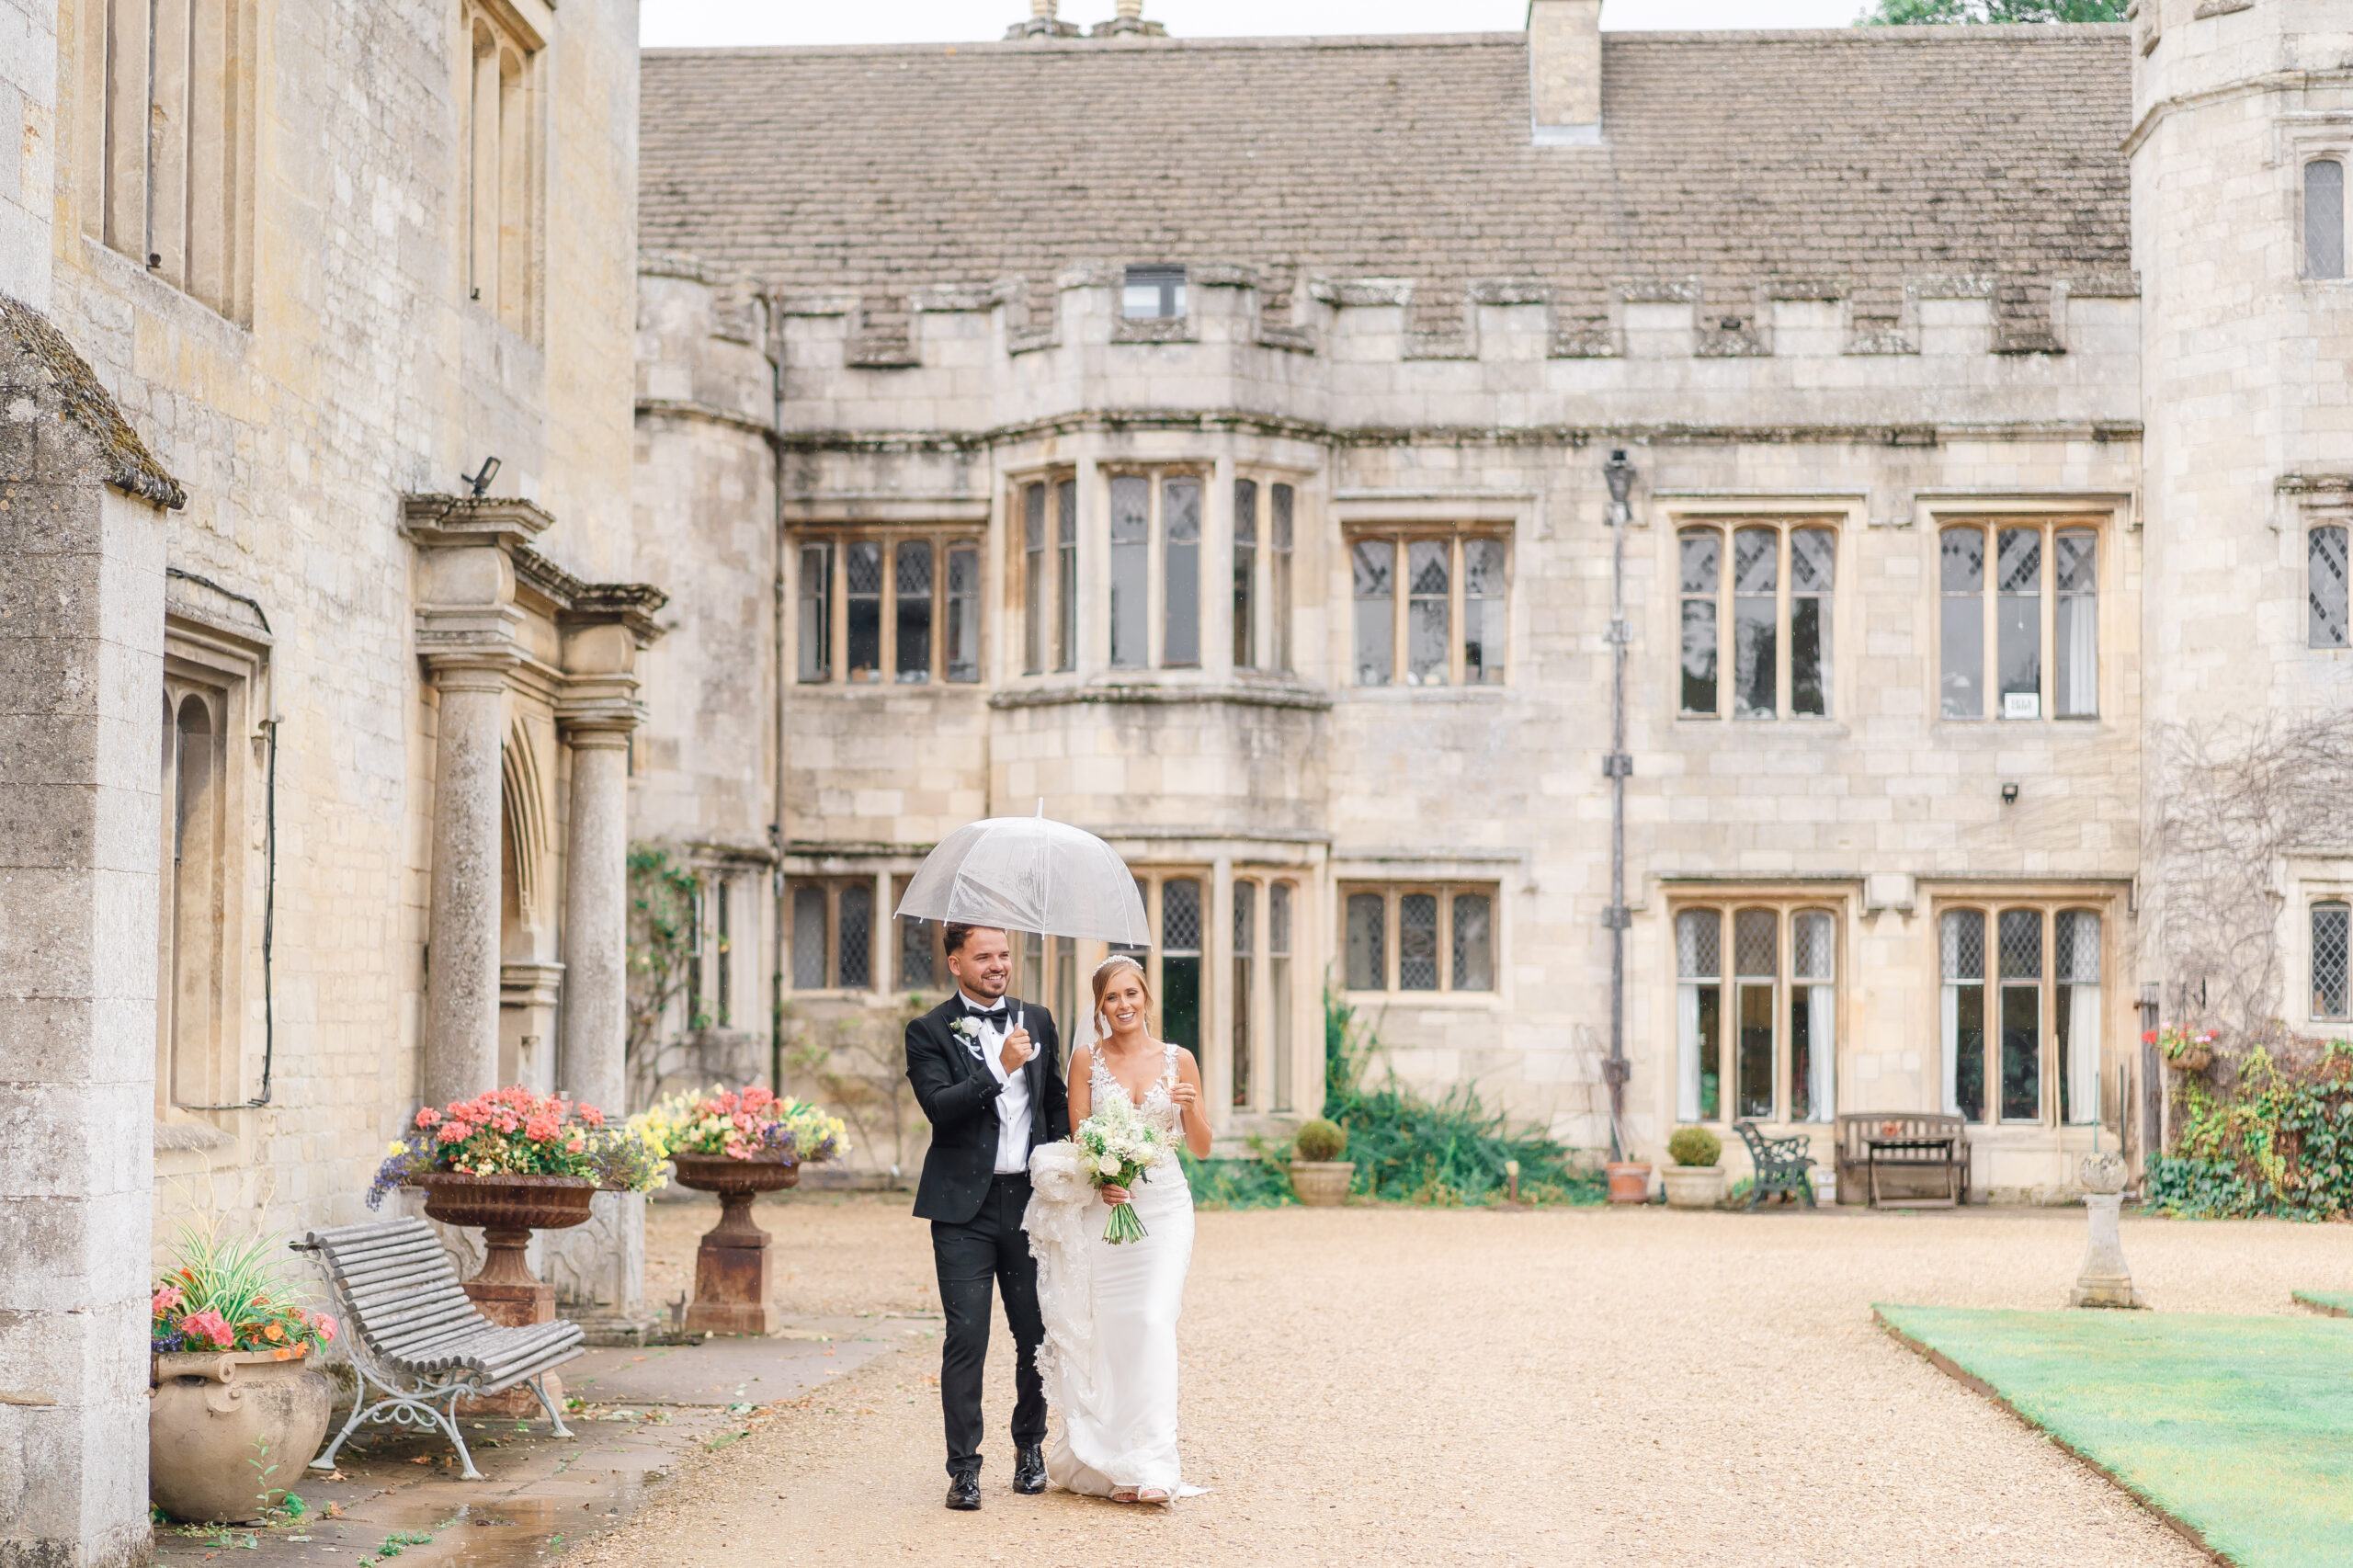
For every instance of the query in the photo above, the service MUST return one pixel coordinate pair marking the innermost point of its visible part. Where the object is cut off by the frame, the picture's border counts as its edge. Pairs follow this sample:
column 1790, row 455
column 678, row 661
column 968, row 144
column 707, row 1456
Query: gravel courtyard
column 1575, row 1386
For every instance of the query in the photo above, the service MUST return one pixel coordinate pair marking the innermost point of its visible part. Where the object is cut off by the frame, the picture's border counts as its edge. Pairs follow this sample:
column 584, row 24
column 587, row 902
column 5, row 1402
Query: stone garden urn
column 1693, row 1186
column 229, row 1430
column 732, row 1264
column 2104, row 1280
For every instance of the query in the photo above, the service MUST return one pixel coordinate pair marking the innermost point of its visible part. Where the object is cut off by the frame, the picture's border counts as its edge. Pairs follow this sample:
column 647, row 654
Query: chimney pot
column 1565, row 73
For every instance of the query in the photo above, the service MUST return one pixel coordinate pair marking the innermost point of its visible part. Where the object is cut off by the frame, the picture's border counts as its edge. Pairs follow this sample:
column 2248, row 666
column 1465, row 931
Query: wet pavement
column 636, row 1415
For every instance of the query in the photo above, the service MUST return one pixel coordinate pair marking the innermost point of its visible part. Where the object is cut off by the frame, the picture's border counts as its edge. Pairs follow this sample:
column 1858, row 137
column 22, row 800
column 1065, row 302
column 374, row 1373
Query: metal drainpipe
column 1619, row 767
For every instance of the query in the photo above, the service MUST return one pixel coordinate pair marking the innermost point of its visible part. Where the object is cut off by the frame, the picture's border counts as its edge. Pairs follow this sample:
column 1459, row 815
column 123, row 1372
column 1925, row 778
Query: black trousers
column 991, row 1245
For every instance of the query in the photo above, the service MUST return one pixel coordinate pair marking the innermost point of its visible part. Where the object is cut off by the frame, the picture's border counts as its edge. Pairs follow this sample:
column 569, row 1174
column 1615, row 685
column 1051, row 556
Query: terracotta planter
column 508, row 1209
column 229, row 1430
column 2197, row 1059
column 1630, row 1181
column 1322, row 1184
column 732, row 1264
column 1693, row 1186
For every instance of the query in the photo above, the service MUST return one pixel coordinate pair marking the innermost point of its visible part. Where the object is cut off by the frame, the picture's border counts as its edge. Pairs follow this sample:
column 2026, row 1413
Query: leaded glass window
column 1244, row 998
column 1279, row 569
column 1429, row 598
column 1131, row 571
column 1814, row 1016
column 1814, row 564
column 2019, row 621
column 2075, row 1018
column 1368, row 942
column 863, row 568
column 1475, row 942
column 962, row 646
column 1035, row 583
column 1701, row 554
column 1180, row 963
column 2076, row 629
column 1408, row 637
column 2023, row 625
column 2325, row 219
column 1756, row 598
column 1961, row 568
column 1761, row 611
column 1417, row 942
column 2331, row 960
column 1756, row 969
column 1066, row 575
column 1445, row 939
column 912, row 601
column 814, row 634
column 1483, row 612
column 1373, row 565
column 1246, row 574
column 2327, row 587
column 1698, row 1015
column 1180, row 522
column 1961, row 948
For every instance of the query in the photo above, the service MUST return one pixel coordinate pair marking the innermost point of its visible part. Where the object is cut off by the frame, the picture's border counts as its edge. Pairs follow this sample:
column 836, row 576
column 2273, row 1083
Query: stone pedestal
column 2104, row 1280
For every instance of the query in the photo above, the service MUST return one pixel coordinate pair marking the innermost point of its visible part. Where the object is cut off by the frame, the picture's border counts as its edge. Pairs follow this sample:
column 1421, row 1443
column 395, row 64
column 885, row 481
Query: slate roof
column 1855, row 158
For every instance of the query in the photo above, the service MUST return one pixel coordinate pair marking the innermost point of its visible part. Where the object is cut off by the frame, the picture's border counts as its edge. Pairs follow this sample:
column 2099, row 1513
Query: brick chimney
column 1565, row 73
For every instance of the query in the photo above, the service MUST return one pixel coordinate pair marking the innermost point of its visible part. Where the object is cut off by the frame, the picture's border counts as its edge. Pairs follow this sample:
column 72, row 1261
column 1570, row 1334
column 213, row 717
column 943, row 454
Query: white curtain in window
column 2083, row 1053
column 1952, row 1050
column 1822, row 1015
column 2081, row 662
column 1687, row 1071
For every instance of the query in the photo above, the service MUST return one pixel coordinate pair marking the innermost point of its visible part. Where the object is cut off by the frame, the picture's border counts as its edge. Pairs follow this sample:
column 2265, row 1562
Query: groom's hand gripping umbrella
column 1029, row 874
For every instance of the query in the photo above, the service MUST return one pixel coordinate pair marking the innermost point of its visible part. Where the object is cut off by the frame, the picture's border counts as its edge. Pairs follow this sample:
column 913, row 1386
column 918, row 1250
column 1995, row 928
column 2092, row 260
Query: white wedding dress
column 1109, row 1358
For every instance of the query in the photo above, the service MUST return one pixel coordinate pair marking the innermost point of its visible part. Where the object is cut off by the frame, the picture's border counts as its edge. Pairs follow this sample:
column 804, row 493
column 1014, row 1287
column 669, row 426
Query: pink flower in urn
column 325, row 1323
column 166, row 1300
column 541, row 1128
column 427, row 1116
column 592, row 1116
column 574, row 1146
column 454, row 1132
column 210, row 1326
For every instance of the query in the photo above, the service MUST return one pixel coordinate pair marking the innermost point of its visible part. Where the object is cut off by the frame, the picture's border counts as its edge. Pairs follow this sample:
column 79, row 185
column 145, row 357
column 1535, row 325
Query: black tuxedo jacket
column 959, row 1099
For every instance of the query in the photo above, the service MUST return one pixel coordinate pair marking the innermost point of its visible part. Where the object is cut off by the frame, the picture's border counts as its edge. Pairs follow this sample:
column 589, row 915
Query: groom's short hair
column 951, row 936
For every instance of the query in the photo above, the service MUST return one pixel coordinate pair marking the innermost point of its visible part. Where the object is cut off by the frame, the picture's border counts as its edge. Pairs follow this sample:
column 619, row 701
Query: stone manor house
column 1209, row 439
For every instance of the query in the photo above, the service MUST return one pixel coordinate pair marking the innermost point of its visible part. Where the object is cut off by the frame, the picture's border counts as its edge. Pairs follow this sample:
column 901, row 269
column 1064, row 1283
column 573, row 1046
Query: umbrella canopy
column 1029, row 874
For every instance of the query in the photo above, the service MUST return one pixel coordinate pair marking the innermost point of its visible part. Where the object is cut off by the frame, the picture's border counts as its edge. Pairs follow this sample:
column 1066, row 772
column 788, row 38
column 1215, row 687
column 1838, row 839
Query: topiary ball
column 1320, row 1141
column 1694, row 1146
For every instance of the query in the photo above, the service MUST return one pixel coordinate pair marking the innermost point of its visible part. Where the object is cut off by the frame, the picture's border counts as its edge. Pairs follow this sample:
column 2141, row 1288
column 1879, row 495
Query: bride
column 1109, row 1357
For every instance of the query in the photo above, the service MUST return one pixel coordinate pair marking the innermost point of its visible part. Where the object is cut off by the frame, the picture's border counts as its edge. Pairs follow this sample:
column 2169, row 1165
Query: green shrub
column 1694, row 1146
column 1320, row 1140
column 2272, row 1134
column 1262, row 1183
column 1408, row 1149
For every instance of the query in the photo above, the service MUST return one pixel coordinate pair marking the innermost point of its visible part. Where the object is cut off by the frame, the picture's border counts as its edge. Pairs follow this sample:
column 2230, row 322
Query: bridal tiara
column 1114, row 961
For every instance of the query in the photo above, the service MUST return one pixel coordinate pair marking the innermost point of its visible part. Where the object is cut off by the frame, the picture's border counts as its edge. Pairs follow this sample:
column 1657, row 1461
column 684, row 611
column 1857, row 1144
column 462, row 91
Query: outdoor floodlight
column 480, row 483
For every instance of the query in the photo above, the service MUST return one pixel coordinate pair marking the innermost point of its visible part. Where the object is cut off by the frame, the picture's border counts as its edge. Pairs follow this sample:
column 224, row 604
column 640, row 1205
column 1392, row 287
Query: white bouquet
column 1119, row 1148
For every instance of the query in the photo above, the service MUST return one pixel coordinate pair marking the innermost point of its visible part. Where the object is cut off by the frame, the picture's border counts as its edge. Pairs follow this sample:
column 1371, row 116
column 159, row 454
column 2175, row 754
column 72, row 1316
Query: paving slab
column 728, row 1369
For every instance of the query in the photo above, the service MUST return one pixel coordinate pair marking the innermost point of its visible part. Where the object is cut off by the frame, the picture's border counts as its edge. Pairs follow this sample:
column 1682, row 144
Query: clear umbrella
column 1029, row 874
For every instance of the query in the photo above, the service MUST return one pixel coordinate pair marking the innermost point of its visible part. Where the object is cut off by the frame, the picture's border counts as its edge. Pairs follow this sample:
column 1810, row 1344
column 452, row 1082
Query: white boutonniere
column 969, row 1032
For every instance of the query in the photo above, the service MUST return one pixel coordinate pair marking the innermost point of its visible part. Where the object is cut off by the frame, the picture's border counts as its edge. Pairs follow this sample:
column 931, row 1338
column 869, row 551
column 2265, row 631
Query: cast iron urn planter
column 732, row 1264
column 508, row 1209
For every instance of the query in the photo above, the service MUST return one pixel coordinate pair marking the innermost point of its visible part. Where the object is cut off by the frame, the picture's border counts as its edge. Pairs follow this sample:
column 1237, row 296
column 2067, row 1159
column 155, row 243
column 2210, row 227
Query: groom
column 991, row 1091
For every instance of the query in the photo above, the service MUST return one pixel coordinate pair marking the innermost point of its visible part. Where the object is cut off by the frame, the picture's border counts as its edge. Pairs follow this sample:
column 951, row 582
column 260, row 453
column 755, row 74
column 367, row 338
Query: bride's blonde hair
column 1103, row 973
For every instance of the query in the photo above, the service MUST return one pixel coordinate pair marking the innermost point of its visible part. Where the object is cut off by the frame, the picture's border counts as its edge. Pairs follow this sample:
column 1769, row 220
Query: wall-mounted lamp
column 1620, row 475
column 2009, row 794
column 480, row 483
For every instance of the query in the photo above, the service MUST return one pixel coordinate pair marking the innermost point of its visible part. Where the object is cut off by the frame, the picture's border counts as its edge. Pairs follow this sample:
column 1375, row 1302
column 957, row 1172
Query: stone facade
column 1779, row 278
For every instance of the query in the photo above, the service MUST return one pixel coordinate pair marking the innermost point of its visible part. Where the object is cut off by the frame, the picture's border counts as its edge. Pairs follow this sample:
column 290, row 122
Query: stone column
column 461, row 979
column 81, row 702
column 595, row 919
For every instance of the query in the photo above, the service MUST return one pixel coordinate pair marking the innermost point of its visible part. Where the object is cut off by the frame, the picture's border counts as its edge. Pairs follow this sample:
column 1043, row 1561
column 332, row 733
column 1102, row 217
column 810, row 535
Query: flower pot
column 1322, row 1184
column 1693, row 1186
column 229, row 1430
column 2195, row 1059
column 508, row 1209
column 732, row 1264
column 1630, row 1181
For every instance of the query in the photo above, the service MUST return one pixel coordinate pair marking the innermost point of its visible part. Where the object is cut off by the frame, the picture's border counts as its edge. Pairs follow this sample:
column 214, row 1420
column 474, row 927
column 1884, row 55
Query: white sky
column 721, row 22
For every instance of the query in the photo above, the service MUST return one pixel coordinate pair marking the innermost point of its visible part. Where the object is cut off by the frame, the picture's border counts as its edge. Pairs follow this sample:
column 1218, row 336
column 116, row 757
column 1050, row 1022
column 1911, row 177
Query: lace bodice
column 1157, row 1107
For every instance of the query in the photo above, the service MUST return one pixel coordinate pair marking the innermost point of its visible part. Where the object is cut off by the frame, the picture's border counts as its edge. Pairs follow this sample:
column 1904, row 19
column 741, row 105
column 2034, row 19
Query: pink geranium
column 325, row 1323
column 208, row 1325
column 169, row 1297
column 454, row 1131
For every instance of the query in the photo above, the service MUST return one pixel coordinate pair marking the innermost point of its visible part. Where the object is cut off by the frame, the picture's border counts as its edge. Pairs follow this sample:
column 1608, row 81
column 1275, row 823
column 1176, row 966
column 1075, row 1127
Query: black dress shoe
column 964, row 1490
column 1029, row 1470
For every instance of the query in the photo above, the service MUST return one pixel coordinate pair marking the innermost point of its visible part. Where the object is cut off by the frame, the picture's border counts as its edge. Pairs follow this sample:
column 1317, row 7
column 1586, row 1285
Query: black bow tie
column 972, row 1012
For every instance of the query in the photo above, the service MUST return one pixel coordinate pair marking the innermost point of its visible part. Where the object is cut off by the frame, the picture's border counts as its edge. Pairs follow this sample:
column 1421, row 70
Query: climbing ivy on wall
column 661, row 893
column 2270, row 1132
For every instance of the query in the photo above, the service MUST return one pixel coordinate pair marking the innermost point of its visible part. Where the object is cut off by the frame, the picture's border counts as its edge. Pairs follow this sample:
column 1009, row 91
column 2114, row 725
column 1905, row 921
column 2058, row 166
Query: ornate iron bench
column 1916, row 1149
column 1782, row 1163
column 411, row 1330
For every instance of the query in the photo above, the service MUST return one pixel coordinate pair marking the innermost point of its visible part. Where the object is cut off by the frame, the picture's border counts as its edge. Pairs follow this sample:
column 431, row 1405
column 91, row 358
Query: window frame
column 2317, row 903
column 1786, row 907
column 1157, row 558
column 1727, row 529
column 879, row 921
column 1393, row 894
column 2106, row 575
column 2303, row 166
column 1046, row 591
column 2342, row 528
column 1400, row 537
column 945, row 541
column 2051, row 1065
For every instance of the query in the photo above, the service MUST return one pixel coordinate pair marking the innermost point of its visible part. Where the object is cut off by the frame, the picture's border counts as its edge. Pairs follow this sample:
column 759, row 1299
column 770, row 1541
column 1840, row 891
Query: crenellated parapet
column 1357, row 350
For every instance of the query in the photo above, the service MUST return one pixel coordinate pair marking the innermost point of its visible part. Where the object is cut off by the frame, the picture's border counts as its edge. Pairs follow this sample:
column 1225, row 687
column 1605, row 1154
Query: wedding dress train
column 1109, row 1357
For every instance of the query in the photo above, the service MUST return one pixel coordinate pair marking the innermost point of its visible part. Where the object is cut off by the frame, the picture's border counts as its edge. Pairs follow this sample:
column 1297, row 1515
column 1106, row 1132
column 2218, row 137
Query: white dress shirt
column 1013, row 1105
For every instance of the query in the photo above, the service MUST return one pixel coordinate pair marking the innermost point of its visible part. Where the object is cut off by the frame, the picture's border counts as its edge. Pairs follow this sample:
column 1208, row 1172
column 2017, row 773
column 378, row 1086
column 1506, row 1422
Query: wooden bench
column 1782, row 1164
column 411, row 1329
column 1931, row 1172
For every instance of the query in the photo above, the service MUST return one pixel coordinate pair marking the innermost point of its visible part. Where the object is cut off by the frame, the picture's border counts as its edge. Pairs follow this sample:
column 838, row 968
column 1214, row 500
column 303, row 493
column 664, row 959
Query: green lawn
column 2240, row 1428
column 2336, row 1303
